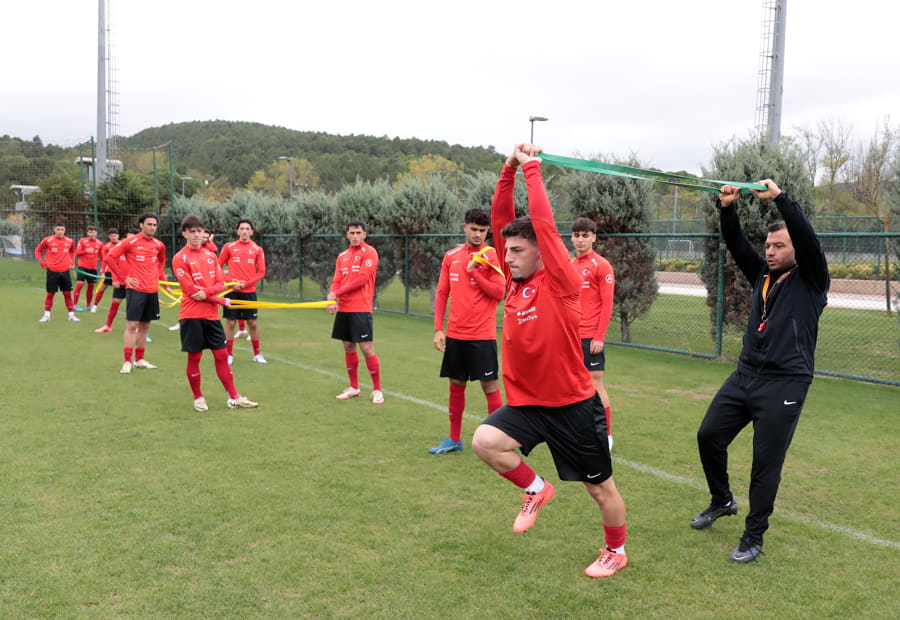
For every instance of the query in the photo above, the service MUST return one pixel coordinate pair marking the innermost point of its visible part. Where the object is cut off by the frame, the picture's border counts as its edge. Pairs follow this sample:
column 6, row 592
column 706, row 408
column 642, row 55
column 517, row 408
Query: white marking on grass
column 658, row 473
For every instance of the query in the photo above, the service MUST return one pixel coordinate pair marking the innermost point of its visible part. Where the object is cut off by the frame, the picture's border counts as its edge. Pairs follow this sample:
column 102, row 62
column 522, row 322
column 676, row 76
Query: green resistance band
column 642, row 174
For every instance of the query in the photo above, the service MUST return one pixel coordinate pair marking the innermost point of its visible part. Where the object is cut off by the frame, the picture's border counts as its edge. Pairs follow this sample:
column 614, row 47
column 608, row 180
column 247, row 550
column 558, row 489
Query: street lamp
column 532, row 119
column 290, row 161
column 183, row 179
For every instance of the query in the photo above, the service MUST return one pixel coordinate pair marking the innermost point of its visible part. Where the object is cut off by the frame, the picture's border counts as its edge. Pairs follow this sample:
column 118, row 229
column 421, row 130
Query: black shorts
column 119, row 292
column 352, row 327
column 199, row 334
column 107, row 279
column 470, row 360
column 142, row 307
column 575, row 435
column 593, row 362
column 59, row 281
column 241, row 314
column 86, row 275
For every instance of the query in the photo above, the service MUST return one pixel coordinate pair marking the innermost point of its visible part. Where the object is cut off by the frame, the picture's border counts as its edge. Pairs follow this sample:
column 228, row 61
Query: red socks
column 494, row 401
column 615, row 536
column 48, row 302
column 67, row 296
column 456, row 407
column 255, row 343
column 229, row 347
column 223, row 370
column 111, row 315
column 352, row 362
column 78, row 288
column 522, row 476
column 128, row 353
column 193, row 373
column 374, row 371
column 138, row 354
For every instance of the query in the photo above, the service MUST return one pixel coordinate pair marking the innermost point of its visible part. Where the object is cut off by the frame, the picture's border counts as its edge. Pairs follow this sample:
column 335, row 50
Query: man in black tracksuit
column 775, row 368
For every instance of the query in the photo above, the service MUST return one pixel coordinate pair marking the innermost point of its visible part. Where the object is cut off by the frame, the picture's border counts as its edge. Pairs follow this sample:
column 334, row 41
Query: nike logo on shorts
column 790, row 402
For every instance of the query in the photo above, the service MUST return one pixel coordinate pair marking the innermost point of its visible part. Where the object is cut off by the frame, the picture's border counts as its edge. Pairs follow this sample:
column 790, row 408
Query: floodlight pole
column 290, row 161
column 183, row 179
column 532, row 119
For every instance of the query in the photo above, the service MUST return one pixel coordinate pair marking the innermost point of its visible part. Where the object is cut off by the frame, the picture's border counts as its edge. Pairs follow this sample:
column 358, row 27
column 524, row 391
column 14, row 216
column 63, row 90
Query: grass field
column 118, row 500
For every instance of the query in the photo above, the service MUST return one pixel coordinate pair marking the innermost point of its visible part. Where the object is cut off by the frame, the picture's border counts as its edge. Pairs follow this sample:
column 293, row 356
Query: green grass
column 118, row 500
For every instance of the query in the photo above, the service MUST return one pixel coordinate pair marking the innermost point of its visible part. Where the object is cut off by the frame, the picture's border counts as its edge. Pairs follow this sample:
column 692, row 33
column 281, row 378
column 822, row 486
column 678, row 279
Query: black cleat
column 746, row 551
column 708, row 516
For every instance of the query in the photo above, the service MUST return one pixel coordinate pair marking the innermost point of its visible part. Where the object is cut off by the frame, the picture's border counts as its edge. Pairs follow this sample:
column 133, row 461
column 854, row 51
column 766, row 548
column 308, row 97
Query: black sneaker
column 746, row 551
column 708, row 516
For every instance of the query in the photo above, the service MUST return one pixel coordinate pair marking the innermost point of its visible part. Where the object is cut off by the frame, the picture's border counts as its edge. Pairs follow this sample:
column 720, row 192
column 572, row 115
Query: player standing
column 56, row 254
column 87, row 254
column 597, row 287
column 145, row 261
column 549, row 392
column 246, row 266
column 201, row 278
column 353, row 287
column 470, row 344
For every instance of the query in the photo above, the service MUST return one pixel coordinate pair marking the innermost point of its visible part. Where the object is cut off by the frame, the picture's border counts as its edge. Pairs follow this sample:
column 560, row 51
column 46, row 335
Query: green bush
column 678, row 264
column 861, row 271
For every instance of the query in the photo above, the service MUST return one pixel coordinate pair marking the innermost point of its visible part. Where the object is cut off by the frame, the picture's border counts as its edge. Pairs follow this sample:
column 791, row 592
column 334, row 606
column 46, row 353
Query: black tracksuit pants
column 773, row 405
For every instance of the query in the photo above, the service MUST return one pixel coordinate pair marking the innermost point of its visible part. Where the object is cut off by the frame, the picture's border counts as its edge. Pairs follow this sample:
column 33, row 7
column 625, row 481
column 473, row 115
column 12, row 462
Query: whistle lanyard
column 765, row 297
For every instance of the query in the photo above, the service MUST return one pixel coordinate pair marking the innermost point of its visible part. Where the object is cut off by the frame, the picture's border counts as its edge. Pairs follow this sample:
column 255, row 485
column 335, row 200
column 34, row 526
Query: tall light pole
column 183, row 179
column 532, row 119
column 290, row 161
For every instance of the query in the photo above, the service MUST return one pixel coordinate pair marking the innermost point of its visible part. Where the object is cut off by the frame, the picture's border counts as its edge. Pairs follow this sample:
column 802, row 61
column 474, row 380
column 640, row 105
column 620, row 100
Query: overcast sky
column 665, row 80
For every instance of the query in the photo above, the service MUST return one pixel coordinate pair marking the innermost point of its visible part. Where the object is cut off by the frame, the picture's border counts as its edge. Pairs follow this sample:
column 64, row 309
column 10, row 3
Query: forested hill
column 236, row 150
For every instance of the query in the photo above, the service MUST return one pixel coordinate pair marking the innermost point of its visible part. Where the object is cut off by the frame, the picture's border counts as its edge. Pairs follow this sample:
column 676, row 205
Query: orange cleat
column 531, row 506
column 607, row 564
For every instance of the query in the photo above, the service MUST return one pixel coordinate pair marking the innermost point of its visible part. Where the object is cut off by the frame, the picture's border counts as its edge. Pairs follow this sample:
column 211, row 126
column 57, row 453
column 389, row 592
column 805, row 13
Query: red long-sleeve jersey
column 60, row 253
column 597, row 287
column 542, row 358
column 354, row 278
column 199, row 270
column 88, row 252
column 145, row 258
column 473, row 294
column 246, row 262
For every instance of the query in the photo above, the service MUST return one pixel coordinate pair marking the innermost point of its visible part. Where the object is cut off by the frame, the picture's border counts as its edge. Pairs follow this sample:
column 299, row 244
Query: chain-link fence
column 859, row 335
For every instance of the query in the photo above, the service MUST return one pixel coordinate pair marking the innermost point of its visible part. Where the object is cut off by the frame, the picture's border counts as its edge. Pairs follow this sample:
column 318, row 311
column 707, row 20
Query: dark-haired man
column 597, row 288
column 246, row 266
column 775, row 367
column 201, row 279
column 473, row 281
column 56, row 254
column 145, row 261
column 549, row 393
column 87, row 255
column 353, row 288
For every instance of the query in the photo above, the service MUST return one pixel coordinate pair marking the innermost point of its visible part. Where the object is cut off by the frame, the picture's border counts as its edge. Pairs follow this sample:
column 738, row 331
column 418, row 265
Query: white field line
column 658, row 473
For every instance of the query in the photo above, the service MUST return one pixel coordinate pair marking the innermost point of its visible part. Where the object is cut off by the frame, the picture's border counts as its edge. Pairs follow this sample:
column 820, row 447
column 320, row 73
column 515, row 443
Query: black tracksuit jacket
column 786, row 347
